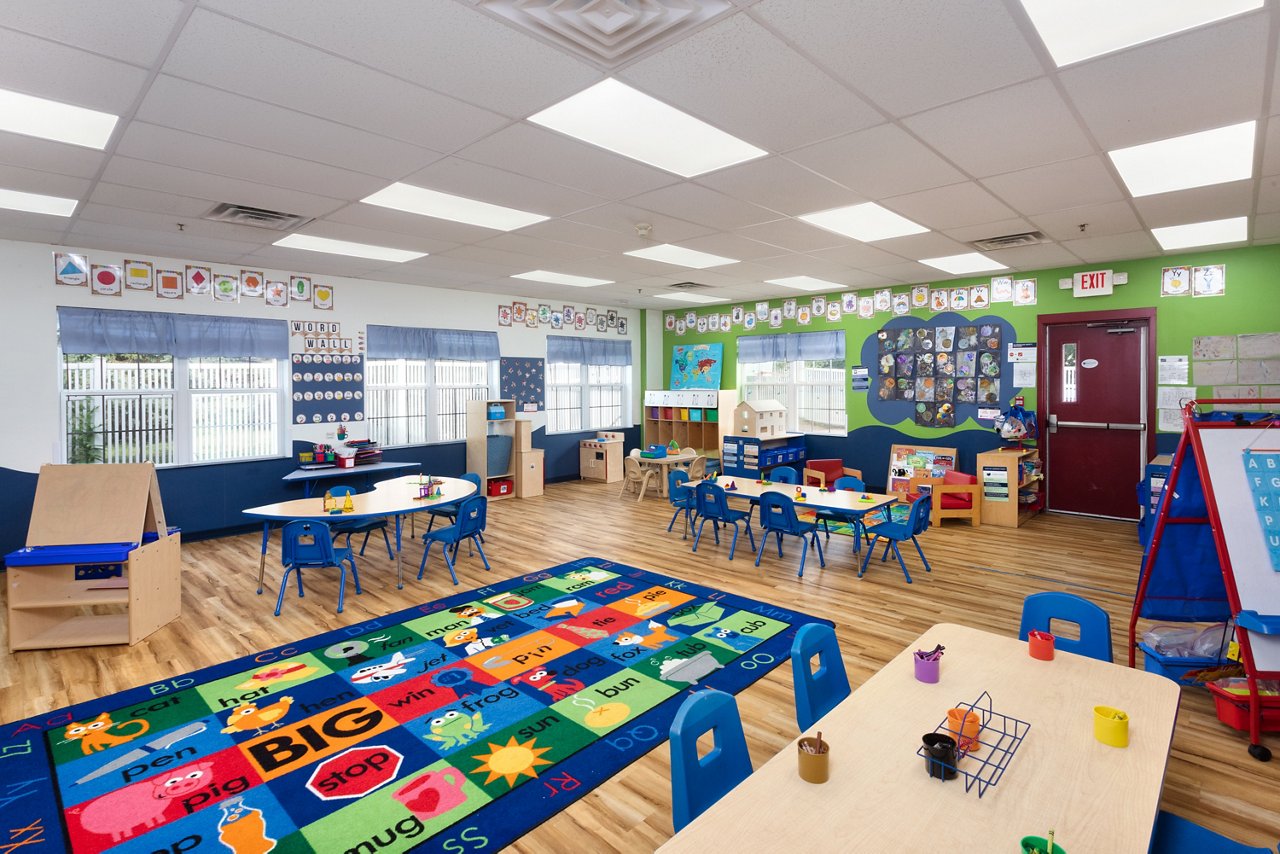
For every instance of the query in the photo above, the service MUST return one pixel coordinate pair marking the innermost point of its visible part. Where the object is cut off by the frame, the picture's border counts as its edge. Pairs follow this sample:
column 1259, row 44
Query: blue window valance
column 588, row 351
column 791, row 347
column 97, row 331
column 414, row 342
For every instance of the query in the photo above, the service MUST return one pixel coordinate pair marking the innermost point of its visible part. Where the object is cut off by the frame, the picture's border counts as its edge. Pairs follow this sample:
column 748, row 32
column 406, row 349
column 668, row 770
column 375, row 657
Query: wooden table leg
column 262, row 563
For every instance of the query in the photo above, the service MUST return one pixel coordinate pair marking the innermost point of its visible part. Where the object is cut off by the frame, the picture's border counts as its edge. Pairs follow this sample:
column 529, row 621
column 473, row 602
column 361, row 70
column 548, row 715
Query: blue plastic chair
column 364, row 526
column 468, row 525
column 696, row 783
column 1176, row 835
column 852, row 484
column 894, row 532
column 783, row 474
column 820, row 691
column 1039, row 609
column 712, row 506
column 450, row 511
column 778, row 517
column 309, row 545
column 682, row 498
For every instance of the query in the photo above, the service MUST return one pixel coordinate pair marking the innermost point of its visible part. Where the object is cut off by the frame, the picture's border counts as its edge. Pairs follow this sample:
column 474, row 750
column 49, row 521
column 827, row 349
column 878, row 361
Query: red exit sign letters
column 1092, row 284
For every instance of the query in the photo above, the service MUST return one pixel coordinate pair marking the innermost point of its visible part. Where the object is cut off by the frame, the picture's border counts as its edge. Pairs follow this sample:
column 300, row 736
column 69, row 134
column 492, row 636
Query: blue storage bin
column 499, row 455
column 1177, row 669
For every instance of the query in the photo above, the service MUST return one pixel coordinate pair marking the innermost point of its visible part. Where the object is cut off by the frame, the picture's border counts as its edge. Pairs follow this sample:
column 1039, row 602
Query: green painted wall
column 1251, row 304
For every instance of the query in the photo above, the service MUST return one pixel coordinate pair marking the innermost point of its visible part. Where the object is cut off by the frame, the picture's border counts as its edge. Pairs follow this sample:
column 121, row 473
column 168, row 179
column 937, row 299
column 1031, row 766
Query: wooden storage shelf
column 1003, row 476
column 98, row 596
column 479, row 428
column 695, row 418
column 83, row 630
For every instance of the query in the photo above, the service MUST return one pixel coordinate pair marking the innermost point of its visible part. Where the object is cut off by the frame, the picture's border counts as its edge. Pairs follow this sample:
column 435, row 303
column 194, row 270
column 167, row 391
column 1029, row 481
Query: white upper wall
column 29, row 431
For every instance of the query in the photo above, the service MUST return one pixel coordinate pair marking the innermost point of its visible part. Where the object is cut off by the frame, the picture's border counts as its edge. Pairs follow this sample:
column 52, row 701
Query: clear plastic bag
column 1212, row 642
column 1173, row 641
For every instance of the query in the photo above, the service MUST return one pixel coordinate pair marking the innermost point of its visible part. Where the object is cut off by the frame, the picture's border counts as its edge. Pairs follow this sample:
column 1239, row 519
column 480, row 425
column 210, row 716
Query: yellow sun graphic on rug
column 511, row 760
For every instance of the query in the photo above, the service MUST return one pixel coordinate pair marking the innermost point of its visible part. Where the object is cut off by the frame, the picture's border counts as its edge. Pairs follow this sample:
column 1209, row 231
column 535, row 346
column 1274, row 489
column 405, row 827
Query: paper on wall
column 1173, row 396
column 1241, row 393
column 1214, row 373
column 1024, row 374
column 1258, row 370
column 1263, row 345
column 1214, row 347
column 1173, row 370
column 1169, row 420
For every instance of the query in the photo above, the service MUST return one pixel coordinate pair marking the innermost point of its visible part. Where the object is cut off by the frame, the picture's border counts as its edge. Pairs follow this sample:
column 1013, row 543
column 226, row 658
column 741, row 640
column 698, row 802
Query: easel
column 1207, row 512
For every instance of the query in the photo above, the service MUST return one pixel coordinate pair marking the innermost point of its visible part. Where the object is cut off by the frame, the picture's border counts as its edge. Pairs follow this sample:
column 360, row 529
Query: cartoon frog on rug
column 454, row 729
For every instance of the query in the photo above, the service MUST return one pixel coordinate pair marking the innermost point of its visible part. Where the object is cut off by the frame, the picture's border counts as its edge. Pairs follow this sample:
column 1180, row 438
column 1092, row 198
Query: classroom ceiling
column 952, row 114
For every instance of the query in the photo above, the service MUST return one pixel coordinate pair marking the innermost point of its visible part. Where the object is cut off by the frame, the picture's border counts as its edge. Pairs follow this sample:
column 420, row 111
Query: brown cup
column 813, row 766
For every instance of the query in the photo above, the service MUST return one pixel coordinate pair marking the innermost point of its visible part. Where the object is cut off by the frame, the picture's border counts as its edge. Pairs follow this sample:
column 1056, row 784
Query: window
column 171, row 388
column 805, row 374
column 422, row 401
column 588, row 384
column 133, row 407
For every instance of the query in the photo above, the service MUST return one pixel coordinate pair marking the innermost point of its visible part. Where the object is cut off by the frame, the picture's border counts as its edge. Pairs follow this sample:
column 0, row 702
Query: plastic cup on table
column 814, row 758
column 927, row 669
column 966, row 724
column 1039, row 845
column 1110, row 726
column 1040, row 645
column 940, row 762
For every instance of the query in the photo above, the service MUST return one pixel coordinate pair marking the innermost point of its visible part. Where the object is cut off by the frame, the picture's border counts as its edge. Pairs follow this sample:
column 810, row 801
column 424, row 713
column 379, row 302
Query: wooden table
column 841, row 500
column 880, row 798
column 397, row 497
column 309, row 476
column 664, row 464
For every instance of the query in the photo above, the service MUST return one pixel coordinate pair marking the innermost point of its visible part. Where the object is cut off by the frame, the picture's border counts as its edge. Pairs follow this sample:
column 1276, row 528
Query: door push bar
column 1054, row 424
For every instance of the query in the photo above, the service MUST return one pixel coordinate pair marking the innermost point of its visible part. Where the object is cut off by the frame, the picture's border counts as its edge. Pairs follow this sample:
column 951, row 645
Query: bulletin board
column 908, row 461
column 524, row 381
column 327, row 372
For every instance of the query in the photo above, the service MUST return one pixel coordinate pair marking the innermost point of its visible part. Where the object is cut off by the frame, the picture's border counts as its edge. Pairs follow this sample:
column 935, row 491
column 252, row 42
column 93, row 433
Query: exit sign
column 1095, row 284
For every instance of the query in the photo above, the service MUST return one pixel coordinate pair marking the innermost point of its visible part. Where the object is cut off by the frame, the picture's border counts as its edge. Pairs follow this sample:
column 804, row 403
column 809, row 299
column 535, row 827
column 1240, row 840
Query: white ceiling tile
column 1266, row 228
column 1200, row 204
column 318, row 264
column 703, row 206
column 133, row 32
column 983, row 230
column 931, row 244
column 217, row 51
column 123, row 238
column 190, row 151
column 512, row 262
column 374, row 237
column 1002, row 131
column 792, row 235
column 1271, row 146
column 170, row 179
column 167, row 229
column 1099, row 221
column 910, row 272
column 1202, row 79
column 1114, row 247
column 449, row 264
column 558, row 159
column 22, row 227
column 861, row 255
column 500, row 187
column 47, row 183
column 724, row 72
column 117, row 195
column 813, row 264
column 1269, row 194
column 200, row 109
column 538, row 247
column 908, row 55
column 45, row 155
column 950, row 207
column 580, row 234
column 50, row 70
column 1040, row 256
column 732, row 246
column 1068, row 184
column 879, row 162
column 442, row 44
column 780, row 185
column 399, row 222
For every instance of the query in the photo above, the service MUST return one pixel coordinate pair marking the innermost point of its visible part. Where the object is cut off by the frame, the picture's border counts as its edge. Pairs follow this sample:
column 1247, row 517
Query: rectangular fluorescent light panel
column 561, row 279
column 616, row 117
column 1075, row 30
column 420, row 200
column 698, row 298
column 865, row 222
column 15, row 200
column 1211, row 233
column 345, row 247
column 31, row 116
column 959, row 265
column 805, row 283
column 1181, row 162
column 681, row 257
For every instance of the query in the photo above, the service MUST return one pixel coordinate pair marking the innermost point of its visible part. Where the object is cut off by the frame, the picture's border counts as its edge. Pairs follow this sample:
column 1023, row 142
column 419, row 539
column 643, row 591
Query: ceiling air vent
column 256, row 217
column 1008, row 241
column 689, row 286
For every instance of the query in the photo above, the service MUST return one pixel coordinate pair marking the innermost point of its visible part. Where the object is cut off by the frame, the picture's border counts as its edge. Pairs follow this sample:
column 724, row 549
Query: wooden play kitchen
column 100, row 566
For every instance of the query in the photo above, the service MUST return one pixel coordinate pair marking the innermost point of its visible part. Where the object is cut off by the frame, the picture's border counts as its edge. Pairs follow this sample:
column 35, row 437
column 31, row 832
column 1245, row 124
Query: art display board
column 1257, row 584
column 524, row 381
column 908, row 461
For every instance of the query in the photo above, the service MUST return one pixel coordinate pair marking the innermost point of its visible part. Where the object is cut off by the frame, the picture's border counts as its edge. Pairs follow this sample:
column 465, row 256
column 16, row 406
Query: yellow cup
column 1110, row 726
column 813, row 766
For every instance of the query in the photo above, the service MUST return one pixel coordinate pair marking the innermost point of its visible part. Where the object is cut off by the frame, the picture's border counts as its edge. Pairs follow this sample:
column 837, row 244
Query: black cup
column 941, row 759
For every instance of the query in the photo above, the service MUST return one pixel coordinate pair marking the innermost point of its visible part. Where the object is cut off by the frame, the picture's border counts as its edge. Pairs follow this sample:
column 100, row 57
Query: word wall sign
column 328, row 373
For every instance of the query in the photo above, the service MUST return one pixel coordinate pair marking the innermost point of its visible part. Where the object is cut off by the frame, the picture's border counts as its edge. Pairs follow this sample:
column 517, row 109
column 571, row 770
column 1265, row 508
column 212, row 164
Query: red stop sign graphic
column 355, row 772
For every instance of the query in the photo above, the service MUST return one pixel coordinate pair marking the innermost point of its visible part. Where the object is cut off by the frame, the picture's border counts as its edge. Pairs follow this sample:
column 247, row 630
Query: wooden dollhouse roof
column 763, row 405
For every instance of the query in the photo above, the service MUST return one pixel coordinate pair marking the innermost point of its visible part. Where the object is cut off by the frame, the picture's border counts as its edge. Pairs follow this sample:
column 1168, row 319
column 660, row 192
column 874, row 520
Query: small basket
column 1192, row 670
column 1233, row 709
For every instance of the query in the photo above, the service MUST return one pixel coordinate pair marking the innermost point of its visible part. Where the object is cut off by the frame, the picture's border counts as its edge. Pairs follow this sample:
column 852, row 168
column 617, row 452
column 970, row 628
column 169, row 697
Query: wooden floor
column 979, row 578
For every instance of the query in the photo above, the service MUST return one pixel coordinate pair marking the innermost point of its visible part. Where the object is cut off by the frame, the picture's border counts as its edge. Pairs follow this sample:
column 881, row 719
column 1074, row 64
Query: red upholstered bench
column 824, row 472
column 955, row 496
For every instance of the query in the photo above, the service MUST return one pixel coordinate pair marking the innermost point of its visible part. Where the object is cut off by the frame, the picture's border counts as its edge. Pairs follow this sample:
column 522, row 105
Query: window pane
column 396, row 401
column 234, row 417
column 1069, row 388
column 120, row 429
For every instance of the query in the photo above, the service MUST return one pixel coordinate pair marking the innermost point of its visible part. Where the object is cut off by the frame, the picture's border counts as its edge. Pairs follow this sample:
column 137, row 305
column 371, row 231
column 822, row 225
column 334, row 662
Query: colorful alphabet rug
column 458, row 725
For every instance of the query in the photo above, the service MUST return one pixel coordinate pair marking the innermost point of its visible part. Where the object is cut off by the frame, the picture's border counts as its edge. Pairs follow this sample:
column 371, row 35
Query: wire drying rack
column 999, row 739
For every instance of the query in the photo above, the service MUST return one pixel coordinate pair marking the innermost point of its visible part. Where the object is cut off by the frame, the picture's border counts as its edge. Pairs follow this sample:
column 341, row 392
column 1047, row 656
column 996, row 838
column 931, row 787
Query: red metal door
column 1096, row 435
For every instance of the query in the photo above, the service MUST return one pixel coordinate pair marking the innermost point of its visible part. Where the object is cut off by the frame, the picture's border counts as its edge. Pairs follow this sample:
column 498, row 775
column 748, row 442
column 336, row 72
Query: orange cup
column 1040, row 645
column 966, row 725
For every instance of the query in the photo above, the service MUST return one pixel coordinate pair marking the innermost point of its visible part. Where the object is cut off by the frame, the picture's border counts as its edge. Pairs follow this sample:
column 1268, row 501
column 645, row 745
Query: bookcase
column 491, row 444
column 693, row 418
column 1012, row 481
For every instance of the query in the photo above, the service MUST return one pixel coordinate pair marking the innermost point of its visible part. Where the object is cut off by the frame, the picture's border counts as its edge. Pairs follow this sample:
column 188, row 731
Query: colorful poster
column 226, row 287
column 696, row 365
column 803, row 315
column 775, row 318
column 901, row 304
column 138, row 275
column 523, row 380
column 518, row 310
column 883, row 299
column 277, row 294
column 322, row 297
column 300, row 288
column 920, row 296
column 680, row 326
column 833, row 311
column 849, row 303
column 939, row 299
column 979, row 297
column 702, row 325
column 1262, row 472
column 789, row 309
column 819, row 306
column 738, row 314
column 762, row 311
column 106, row 280
column 252, row 283
column 1002, row 289
column 504, row 317
column 70, row 269
column 959, row 299
column 866, row 307
column 1024, row 292
column 199, row 280
column 726, row 325
column 169, row 284
column 580, row 321
column 1175, row 281
column 1210, row 281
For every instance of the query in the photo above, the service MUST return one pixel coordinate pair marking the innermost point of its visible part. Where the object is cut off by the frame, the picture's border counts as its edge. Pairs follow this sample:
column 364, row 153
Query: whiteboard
column 1257, row 584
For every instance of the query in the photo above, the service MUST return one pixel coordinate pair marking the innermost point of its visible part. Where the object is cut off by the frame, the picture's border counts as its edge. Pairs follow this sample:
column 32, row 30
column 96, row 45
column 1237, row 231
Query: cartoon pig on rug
column 143, row 804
